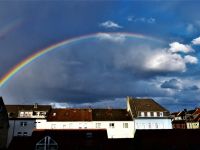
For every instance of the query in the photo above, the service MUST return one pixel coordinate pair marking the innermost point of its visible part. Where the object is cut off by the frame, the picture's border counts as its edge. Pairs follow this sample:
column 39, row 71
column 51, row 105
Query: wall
column 118, row 131
column 192, row 125
column 16, row 126
column 3, row 125
column 147, row 123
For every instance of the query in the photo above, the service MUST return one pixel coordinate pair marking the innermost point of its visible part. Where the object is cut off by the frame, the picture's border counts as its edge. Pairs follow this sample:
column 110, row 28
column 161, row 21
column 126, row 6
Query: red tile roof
column 111, row 115
column 13, row 110
column 70, row 115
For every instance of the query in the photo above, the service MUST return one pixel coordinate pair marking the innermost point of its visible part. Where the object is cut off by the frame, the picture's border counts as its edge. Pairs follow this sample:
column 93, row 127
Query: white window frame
column 112, row 125
column 142, row 114
column 155, row 114
column 98, row 125
column 125, row 125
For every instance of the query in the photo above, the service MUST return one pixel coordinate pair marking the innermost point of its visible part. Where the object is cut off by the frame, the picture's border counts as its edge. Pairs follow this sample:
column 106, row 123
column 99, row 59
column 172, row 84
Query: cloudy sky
column 119, row 48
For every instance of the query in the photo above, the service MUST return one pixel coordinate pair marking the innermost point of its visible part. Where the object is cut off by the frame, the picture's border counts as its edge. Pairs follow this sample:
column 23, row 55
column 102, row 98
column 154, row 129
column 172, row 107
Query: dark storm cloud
column 171, row 84
column 192, row 88
column 80, row 73
column 99, row 71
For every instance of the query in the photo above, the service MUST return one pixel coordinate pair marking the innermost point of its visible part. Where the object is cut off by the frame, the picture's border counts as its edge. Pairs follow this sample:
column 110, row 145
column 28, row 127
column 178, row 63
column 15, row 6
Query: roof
column 13, row 110
column 144, row 105
column 111, row 115
column 197, row 111
column 72, row 139
column 66, row 114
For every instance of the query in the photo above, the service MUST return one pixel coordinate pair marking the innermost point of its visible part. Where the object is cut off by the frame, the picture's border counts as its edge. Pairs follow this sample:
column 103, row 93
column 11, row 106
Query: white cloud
column 190, row 28
column 110, row 24
column 112, row 37
column 163, row 61
column 178, row 47
column 130, row 18
column 190, row 59
column 196, row 41
column 150, row 20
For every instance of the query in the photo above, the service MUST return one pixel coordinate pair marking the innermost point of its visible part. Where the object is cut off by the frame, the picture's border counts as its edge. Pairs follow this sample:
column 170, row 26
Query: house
column 186, row 119
column 117, row 122
column 61, row 139
column 4, row 125
column 148, row 114
column 22, row 119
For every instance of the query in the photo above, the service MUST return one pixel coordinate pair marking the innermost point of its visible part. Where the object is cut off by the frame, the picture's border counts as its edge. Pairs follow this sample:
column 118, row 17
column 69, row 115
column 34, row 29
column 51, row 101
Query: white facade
column 115, row 129
column 151, row 123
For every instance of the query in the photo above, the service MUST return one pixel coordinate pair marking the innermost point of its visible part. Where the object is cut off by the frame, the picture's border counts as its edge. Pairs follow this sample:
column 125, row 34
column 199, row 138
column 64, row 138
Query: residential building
column 4, row 125
column 117, row 122
column 148, row 114
column 186, row 119
column 22, row 119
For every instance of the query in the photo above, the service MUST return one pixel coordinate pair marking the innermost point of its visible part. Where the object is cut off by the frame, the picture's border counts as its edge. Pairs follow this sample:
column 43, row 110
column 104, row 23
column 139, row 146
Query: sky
column 103, row 52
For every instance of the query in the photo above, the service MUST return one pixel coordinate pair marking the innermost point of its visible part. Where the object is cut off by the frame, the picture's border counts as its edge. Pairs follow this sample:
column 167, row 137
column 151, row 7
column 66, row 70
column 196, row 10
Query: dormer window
column 142, row 114
column 21, row 114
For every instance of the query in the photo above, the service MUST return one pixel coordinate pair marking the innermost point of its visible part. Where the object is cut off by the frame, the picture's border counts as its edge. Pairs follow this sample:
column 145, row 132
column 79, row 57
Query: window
column 161, row 114
column 149, row 125
column 21, row 114
column 64, row 126
column 98, row 125
column 125, row 125
column 25, row 133
column 89, row 135
column 19, row 133
column 85, row 125
column 111, row 125
column 148, row 114
column 155, row 114
column 23, row 124
column 80, row 125
column 28, row 114
column 53, row 126
column 156, row 125
column 46, row 143
column 142, row 114
column 70, row 125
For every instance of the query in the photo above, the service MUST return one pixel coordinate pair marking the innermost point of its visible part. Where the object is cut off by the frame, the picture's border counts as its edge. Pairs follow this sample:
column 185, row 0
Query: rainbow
column 44, row 51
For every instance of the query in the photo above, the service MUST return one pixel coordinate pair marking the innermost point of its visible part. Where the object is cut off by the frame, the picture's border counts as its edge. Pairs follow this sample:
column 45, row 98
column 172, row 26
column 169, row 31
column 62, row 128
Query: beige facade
column 192, row 125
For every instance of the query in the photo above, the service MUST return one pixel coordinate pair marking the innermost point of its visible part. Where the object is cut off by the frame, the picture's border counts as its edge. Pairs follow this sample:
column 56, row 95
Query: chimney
column 35, row 105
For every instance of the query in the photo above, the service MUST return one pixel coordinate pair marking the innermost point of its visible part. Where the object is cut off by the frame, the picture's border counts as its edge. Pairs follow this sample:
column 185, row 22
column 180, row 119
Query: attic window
column 46, row 143
column 89, row 135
